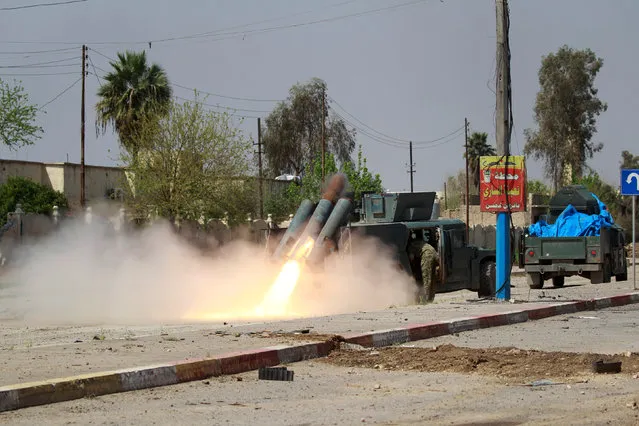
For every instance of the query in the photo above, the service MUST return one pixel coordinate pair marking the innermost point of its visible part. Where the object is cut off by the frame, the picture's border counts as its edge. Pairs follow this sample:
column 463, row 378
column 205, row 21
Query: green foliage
column 565, row 110
column 191, row 166
column 293, row 134
column 478, row 146
column 17, row 117
column 133, row 93
column 535, row 186
column 455, row 188
column 629, row 161
column 34, row 197
column 360, row 179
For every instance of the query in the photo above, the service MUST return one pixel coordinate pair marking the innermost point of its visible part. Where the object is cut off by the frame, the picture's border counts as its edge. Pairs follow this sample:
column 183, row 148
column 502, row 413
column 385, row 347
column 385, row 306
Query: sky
column 410, row 72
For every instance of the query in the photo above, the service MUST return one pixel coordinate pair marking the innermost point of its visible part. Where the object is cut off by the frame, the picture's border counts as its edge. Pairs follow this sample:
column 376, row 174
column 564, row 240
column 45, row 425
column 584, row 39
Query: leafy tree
column 565, row 110
column 34, row 197
column 17, row 116
column 293, row 134
column 535, row 186
column 455, row 189
column 629, row 161
column 192, row 166
column 359, row 178
column 133, row 93
column 477, row 147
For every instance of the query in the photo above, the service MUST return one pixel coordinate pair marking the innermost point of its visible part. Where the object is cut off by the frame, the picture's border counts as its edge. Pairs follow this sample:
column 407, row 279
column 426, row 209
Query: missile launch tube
column 318, row 219
column 304, row 211
column 338, row 216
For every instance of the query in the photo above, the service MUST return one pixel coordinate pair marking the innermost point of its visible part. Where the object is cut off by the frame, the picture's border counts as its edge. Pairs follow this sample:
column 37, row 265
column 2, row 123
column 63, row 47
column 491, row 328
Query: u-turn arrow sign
column 629, row 181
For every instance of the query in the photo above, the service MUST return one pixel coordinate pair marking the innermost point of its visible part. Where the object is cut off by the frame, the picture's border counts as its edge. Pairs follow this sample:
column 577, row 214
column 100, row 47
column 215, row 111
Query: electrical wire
column 36, row 52
column 61, row 93
column 95, row 71
column 29, row 6
column 391, row 138
column 38, row 74
column 221, row 106
column 226, row 96
column 39, row 64
column 225, row 35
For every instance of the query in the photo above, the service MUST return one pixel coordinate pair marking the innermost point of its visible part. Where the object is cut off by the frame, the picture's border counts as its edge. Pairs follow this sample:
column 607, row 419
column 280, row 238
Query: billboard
column 498, row 174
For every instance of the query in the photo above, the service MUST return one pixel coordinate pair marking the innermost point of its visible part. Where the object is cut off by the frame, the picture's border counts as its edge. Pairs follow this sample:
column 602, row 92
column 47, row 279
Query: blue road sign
column 629, row 181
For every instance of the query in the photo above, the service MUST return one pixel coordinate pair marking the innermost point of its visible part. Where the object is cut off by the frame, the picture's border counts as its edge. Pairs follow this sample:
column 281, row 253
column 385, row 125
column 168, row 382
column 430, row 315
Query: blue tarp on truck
column 572, row 223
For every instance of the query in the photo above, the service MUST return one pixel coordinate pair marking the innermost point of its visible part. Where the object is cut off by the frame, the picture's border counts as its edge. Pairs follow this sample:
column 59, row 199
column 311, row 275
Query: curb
column 25, row 395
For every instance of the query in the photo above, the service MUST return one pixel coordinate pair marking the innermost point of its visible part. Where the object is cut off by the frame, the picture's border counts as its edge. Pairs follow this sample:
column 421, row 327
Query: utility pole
column 82, row 176
column 259, row 165
column 411, row 169
column 503, row 132
column 323, row 135
column 467, row 180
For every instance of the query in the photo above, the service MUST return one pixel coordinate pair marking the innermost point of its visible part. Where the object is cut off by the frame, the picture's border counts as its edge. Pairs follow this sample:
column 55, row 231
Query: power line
column 36, row 64
column 95, row 71
column 220, row 106
column 225, row 35
column 29, row 6
column 61, row 93
column 34, row 52
column 392, row 139
column 226, row 96
column 37, row 74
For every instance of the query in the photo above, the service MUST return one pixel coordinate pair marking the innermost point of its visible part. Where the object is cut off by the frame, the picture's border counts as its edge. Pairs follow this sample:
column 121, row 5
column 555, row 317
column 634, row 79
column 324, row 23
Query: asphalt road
column 325, row 394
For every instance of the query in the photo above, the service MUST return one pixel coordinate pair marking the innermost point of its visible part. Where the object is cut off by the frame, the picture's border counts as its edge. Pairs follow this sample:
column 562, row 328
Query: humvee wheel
column 558, row 282
column 535, row 281
column 487, row 279
column 430, row 274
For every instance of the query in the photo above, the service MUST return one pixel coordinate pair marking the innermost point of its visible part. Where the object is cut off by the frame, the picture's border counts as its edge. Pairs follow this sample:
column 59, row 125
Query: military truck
column 434, row 252
column 597, row 257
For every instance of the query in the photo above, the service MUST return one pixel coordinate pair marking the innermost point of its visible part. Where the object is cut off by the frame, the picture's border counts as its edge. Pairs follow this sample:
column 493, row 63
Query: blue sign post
column 630, row 186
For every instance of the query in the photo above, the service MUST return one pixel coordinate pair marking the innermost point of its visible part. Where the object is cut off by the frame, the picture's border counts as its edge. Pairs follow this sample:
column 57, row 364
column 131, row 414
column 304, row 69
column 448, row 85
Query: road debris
column 276, row 373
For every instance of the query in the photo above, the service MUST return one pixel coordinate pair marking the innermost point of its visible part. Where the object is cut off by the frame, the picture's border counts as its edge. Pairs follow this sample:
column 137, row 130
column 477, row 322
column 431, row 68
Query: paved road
column 31, row 352
column 326, row 395
column 607, row 331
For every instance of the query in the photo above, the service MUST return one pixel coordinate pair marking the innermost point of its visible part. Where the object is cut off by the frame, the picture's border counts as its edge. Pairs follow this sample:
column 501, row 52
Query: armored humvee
column 435, row 252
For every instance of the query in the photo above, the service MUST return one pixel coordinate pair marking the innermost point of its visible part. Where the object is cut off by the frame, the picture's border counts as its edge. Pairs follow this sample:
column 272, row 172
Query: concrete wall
column 65, row 177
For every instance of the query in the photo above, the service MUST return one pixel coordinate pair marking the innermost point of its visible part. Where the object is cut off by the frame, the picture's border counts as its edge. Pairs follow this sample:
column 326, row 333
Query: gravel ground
column 328, row 395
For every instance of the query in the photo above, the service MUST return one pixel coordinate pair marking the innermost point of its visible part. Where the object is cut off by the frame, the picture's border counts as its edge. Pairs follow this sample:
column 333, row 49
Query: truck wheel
column 535, row 281
column 487, row 279
column 558, row 282
column 607, row 273
column 622, row 277
column 430, row 273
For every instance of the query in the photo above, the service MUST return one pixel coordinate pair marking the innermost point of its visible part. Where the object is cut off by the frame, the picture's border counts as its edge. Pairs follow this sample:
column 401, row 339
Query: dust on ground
column 506, row 363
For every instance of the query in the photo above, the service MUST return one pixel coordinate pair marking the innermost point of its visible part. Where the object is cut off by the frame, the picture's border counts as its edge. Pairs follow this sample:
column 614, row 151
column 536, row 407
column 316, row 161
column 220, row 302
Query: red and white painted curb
column 64, row 389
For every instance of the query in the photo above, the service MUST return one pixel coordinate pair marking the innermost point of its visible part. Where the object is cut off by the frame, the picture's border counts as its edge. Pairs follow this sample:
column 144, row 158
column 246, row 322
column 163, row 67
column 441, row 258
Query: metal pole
column 503, row 267
column 259, row 161
column 467, row 179
column 82, row 176
column 634, row 243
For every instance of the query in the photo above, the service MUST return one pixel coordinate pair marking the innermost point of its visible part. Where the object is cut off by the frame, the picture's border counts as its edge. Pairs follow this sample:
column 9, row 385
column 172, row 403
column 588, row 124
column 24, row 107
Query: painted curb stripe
column 24, row 395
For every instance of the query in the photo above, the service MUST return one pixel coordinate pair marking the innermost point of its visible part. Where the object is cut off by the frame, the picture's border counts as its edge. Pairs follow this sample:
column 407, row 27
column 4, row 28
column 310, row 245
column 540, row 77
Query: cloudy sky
column 410, row 72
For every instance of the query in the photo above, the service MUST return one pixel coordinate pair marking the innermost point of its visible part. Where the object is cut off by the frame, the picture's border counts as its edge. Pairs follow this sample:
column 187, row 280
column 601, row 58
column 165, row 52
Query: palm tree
column 477, row 147
column 132, row 93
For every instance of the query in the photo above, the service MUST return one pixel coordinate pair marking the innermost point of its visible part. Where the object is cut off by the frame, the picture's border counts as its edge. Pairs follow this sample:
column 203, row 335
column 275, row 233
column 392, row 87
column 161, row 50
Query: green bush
column 34, row 197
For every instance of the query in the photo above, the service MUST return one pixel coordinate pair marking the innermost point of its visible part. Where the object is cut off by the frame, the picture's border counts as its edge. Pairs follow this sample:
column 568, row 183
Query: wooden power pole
column 82, row 120
column 467, row 180
column 323, row 135
column 259, row 165
column 411, row 165
column 503, row 131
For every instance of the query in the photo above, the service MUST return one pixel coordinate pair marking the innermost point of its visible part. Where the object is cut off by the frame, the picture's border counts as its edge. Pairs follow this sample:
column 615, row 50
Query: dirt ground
column 508, row 364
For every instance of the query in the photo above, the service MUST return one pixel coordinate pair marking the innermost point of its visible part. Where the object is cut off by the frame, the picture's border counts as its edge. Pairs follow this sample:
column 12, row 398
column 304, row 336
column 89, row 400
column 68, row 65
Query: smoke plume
column 88, row 274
